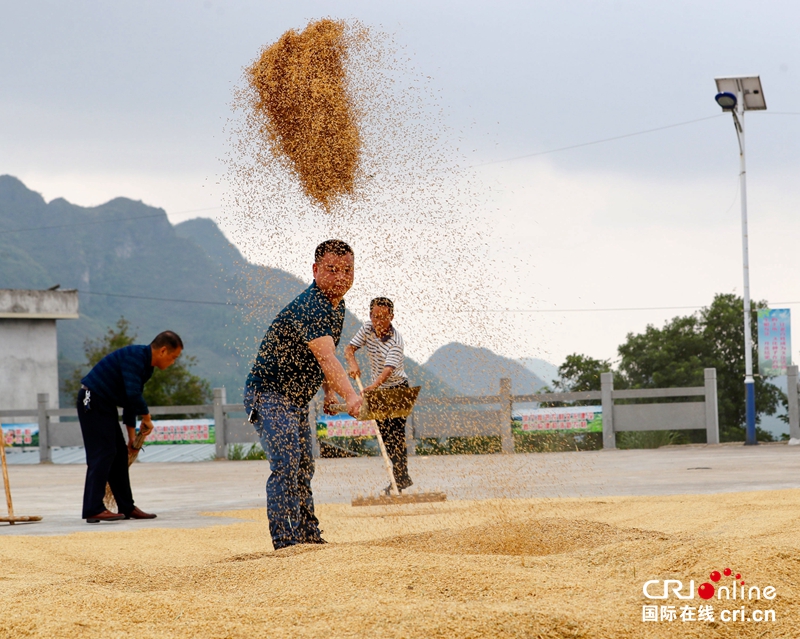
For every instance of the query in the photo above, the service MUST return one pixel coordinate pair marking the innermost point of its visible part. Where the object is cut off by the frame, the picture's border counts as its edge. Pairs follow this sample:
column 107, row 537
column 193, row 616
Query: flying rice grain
column 399, row 193
column 301, row 103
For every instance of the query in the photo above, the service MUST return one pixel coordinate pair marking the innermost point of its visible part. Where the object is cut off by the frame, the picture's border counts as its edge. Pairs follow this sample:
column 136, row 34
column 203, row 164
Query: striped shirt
column 118, row 379
column 382, row 353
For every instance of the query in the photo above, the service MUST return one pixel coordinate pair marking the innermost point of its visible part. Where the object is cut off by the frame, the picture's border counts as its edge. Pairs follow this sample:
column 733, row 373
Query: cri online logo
column 737, row 589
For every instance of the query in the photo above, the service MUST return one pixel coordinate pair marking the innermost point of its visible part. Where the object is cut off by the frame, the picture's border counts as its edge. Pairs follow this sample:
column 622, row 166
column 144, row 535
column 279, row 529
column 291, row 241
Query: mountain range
column 127, row 260
column 477, row 371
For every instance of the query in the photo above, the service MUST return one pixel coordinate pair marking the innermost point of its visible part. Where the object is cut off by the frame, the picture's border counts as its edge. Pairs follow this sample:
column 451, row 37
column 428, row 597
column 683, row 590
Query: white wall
column 28, row 364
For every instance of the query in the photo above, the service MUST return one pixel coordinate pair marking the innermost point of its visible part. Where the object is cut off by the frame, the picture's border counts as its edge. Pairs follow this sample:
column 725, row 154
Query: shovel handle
column 5, row 476
column 393, row 490
column 342, row 408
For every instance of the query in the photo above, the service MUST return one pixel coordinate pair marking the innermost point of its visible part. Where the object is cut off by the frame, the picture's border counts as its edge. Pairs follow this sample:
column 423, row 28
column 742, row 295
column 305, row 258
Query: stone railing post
column 506, row 435
column 606, row 388
column 712, row 410
column 42, row 404
column 219, row 423
column 312, row 427
column 794, row 410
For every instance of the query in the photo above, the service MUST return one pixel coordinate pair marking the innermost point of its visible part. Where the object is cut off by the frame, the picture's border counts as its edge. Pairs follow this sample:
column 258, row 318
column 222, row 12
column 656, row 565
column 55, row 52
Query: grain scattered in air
column 387, row 177
column 302, row 103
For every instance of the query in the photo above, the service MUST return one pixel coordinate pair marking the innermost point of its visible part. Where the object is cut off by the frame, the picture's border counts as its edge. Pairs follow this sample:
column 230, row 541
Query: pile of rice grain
column 505, row 569
column 302, row 105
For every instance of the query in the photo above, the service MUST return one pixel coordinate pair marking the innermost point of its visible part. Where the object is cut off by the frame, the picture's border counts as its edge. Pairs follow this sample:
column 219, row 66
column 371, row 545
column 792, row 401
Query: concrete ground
column 77, row 455
column 179, row 492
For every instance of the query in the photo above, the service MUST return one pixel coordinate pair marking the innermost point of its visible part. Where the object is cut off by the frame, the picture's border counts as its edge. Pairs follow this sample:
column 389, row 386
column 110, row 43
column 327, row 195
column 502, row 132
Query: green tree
column 175, row 386
column 723, row 328
column 581, row 373
column 675, row 356
column 668, row 357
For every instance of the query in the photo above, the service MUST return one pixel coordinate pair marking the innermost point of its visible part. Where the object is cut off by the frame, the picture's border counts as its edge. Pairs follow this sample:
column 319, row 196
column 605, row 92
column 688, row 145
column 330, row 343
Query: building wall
column 25, row 304
column 28, row 363
column 29, row 346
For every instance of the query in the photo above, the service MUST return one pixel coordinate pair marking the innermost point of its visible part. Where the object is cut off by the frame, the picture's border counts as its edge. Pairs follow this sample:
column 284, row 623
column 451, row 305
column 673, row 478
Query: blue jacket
column 118, row 379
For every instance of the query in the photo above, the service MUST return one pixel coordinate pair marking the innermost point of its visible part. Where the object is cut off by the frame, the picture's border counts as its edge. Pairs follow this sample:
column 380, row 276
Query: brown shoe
column 106, row 515
column 139, row 514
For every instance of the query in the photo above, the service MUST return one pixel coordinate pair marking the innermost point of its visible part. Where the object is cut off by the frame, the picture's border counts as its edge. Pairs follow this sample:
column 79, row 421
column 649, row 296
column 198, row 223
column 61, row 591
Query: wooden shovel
column 391, row 404
column 384, row 403
column 108, row 500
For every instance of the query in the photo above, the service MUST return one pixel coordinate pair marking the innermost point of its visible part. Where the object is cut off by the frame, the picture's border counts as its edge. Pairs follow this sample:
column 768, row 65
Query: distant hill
column 543, row 369
column 128, row 260
column 477, row 371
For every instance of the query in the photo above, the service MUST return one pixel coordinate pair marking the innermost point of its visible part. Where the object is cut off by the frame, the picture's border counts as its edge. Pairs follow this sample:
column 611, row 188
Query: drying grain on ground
column 497, row 568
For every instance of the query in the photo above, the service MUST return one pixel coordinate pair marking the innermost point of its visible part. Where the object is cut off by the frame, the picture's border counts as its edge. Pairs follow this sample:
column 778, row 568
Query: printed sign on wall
column 21, row 434
column 344, row 426
column 182, row 431
column 572, row 418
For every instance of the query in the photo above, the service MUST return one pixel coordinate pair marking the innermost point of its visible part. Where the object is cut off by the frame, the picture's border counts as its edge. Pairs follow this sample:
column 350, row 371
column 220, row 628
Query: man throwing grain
column 297, row 355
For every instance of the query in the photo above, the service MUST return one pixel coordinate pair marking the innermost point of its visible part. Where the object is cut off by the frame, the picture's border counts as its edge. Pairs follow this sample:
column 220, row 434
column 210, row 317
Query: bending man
column 118, row 380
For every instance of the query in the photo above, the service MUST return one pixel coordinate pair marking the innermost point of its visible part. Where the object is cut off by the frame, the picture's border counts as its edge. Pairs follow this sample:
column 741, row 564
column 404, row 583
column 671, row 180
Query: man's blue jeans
column 286, row 439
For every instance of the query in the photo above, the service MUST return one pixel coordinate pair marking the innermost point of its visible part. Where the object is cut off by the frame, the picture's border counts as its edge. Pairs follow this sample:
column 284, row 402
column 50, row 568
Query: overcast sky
column 102, row 99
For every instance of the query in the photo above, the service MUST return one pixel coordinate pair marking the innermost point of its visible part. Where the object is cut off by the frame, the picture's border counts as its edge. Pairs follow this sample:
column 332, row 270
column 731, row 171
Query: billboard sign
column 774, row 341
column 166, row 431
column 21, row 434
column 582, row 419
column 344, row 426
column 182, row 431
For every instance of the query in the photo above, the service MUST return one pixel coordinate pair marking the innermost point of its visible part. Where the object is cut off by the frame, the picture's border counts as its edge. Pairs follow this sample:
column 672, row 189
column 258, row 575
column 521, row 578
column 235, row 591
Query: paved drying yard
column 550, row 545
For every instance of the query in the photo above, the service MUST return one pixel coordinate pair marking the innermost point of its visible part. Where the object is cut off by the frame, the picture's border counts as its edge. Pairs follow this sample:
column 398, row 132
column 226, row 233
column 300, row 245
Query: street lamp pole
column 738, row 95
column 749, row 381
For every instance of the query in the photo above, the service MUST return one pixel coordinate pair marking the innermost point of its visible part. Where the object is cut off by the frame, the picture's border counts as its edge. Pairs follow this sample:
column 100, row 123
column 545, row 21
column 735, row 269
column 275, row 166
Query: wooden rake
column 388, row 403
column 12, row 518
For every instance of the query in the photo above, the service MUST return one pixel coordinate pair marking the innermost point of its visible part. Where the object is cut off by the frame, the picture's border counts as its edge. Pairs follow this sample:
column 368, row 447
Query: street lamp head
column 726, row 100
column 747, row 91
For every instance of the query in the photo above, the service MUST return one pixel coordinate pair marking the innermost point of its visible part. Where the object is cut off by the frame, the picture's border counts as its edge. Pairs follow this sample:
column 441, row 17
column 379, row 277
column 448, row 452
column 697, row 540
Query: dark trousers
column 393, row 432
column 285, row 436
column 106, row 457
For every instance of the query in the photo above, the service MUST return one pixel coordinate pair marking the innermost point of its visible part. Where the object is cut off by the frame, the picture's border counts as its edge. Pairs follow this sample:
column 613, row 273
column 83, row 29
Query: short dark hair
column 337, row 247
column 382, row 301
column 169, row 339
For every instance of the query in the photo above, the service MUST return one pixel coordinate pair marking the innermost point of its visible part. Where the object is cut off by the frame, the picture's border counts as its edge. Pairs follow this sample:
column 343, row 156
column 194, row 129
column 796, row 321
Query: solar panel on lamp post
column 737, row 95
